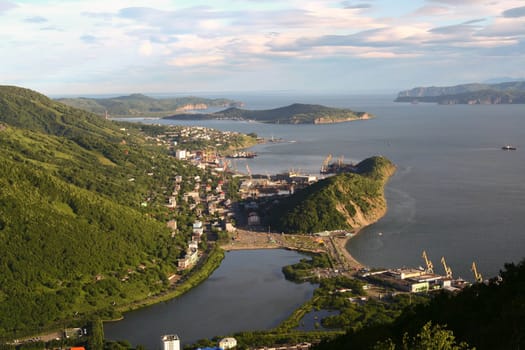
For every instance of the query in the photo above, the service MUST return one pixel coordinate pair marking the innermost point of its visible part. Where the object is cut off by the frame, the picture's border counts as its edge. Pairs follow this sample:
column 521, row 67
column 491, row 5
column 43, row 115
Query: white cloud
column 69, row 40
column 196, row 60
column 145, row 48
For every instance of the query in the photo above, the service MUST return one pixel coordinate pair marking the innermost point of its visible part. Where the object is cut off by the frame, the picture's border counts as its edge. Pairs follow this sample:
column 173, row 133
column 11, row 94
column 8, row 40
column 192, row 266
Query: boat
column 509, row 148
column 248, row 155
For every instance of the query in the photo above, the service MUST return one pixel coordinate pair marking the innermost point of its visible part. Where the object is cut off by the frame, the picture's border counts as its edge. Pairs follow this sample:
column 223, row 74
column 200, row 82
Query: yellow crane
column 340, row 161
column 326, row 161
column 249, row 171
column 430, row 266
column 477, row 275
column 448, row 270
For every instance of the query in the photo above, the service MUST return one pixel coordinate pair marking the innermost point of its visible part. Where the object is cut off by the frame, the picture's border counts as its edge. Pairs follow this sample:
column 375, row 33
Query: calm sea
column 455, row 194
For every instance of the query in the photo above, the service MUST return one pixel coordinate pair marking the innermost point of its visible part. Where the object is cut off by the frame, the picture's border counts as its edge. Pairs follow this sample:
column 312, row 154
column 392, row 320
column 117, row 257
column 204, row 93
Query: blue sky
column 101, row 46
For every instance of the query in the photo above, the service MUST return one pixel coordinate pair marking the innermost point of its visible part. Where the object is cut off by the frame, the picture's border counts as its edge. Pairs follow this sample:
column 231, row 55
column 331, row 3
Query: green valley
column 83, row 214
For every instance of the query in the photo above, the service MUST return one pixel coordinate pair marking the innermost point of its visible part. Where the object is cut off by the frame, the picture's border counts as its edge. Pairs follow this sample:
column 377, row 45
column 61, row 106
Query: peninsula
column 293, row 114
column 346, row 201
column 139, row 105
column 503, row 93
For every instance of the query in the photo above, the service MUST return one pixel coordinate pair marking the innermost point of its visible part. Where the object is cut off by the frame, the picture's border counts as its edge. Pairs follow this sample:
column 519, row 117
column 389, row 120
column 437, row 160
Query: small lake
column 247, row 292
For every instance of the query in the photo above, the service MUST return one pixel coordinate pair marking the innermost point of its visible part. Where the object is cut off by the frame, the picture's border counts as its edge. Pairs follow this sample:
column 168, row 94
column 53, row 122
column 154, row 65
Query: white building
column 197, row 228
column 228, row 343
column 170, row 342
column 180, row 154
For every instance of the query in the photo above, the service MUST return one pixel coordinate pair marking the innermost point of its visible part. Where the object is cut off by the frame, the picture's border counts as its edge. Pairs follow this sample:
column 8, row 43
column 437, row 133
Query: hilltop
column 293, row 114
column 344, row 201
column 139, row 105
column 81, row 225
column 502, row 93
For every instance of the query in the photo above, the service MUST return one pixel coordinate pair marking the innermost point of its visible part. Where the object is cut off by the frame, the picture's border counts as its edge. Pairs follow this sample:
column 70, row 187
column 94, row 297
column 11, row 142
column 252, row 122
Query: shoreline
column 334, row 245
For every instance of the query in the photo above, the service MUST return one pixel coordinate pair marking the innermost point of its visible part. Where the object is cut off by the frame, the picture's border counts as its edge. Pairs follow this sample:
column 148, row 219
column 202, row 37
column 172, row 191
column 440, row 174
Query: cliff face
column 192, row 107
column 461, row 89
column 504, row 93
column 328, row 120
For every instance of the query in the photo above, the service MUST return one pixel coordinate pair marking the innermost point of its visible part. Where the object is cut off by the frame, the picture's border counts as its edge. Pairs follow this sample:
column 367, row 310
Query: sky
column 173, row 46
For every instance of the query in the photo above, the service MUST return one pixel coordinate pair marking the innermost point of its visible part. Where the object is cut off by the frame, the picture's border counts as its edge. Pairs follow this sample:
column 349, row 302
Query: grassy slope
column 69, row 213
column 343, row 201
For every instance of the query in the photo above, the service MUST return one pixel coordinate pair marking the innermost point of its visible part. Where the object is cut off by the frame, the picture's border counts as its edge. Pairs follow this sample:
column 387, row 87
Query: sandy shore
column 335, row 245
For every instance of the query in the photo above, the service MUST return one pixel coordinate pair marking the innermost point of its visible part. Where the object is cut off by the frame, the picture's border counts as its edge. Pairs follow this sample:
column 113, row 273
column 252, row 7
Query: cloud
column 146, row 49
column 196, row 60
column 432, row 11
column 355, row 6
column 6, row 6
column 458, row 2
column 514, row 12
column 36, row 19
column 89, row 39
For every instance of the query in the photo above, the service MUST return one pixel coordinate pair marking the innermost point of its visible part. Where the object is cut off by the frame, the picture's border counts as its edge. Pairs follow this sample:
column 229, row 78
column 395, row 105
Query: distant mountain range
column 139, row 105
column 293, row 114
column 502, row 93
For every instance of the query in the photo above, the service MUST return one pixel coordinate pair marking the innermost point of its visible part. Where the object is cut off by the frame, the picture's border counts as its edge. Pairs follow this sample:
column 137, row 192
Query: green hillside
column 343, row 201
column 293, row 114
column 74, row 236
column 139, row 105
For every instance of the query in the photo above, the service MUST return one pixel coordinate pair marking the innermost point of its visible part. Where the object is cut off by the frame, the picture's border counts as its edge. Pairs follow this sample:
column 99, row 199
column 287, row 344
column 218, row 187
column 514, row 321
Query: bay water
column 455, row 194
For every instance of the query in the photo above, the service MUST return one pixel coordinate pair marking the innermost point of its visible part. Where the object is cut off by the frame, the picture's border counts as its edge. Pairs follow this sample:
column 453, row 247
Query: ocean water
column 455, row 193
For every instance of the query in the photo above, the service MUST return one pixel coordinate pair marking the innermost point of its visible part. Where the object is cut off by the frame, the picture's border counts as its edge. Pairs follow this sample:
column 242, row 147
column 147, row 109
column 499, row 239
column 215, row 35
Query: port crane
column 430, row 266
column 477, row 275
column 326, row 161
column 448, row 270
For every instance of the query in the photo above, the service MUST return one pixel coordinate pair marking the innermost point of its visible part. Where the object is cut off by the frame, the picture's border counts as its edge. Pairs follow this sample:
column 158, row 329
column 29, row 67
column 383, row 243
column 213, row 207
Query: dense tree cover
column 332, row 203
column 487, row 316
column 141, row 105
column 293, row 114
column 82, row 220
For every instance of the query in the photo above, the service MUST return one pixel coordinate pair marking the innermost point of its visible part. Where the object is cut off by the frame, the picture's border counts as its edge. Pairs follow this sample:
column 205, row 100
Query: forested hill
column 73, row 234
column 343, row 201
column 139, row 105
column 293, row 114
column 502, row 93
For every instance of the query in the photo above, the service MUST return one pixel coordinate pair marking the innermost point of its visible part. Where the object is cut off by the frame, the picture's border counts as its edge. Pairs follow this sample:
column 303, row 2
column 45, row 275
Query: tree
column 429, row 338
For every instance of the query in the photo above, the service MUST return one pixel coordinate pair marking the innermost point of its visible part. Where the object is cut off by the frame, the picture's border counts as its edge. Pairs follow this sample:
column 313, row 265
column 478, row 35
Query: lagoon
column 247, row 292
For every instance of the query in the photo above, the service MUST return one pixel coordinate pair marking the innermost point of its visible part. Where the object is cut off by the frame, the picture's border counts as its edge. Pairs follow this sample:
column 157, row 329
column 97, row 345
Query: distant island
column 503, row 93
column 293, row 114
column 139, row 105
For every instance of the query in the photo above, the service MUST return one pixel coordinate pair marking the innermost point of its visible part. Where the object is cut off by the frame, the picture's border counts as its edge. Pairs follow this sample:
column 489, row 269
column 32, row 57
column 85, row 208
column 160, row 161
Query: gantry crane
column 430, row 266
column 477, row 275
column 448, row 270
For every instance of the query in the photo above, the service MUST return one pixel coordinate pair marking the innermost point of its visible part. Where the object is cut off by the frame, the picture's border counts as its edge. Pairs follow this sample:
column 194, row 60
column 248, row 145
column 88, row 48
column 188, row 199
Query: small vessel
column 243, row 154
column 509, row 148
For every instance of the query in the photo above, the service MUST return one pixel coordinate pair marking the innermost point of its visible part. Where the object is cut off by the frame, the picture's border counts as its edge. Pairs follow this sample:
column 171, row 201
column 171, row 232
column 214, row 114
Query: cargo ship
column 509, row 148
